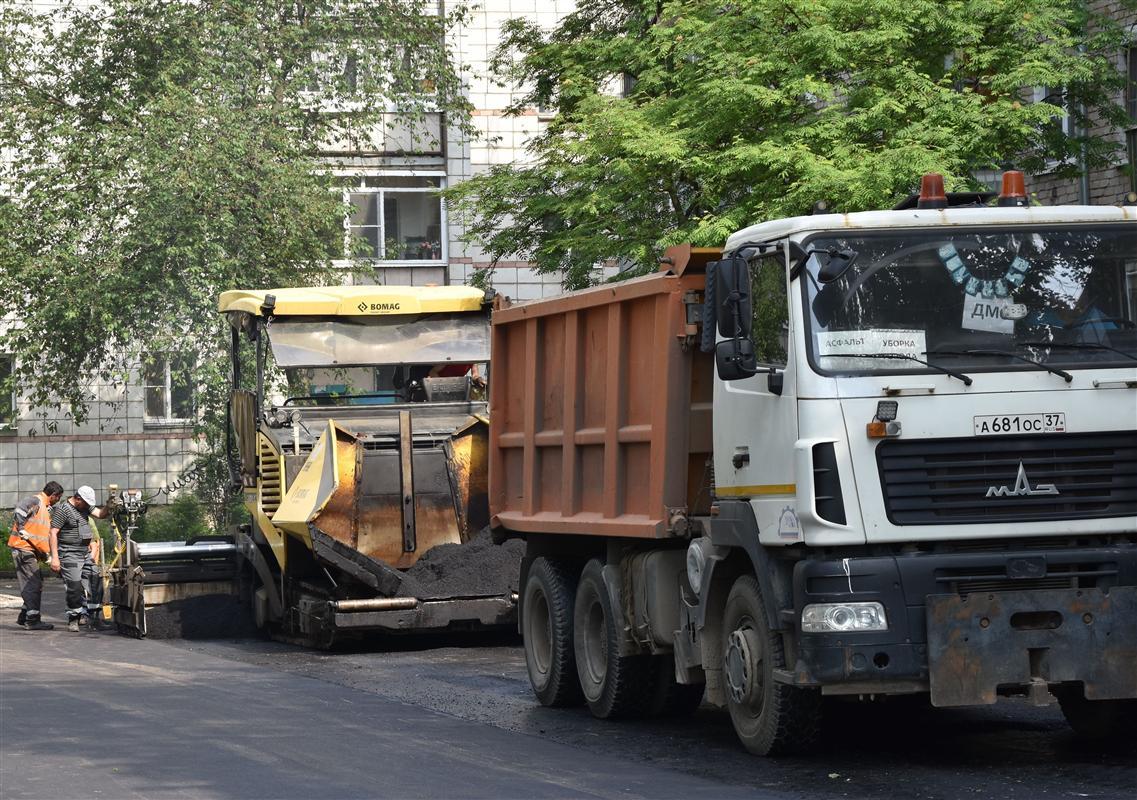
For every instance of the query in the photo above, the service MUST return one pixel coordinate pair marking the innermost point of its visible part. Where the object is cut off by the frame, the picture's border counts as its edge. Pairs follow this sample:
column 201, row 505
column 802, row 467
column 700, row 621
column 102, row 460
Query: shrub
column 6, row 564
column 179, row 521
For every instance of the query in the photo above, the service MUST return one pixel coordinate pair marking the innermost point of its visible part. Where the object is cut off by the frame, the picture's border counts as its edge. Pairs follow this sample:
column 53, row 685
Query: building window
column 397, row 219
column 7, row 391
column 1131, row 85
column 1131, row 108
column 169, row 390
column 1056, row 96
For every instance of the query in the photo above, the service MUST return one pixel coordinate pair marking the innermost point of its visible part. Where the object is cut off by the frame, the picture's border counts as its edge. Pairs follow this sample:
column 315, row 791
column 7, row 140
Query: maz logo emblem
column 1022, row 487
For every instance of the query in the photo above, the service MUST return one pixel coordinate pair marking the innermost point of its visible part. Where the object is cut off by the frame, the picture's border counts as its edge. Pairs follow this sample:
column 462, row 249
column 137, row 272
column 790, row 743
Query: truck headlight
column 843, row 617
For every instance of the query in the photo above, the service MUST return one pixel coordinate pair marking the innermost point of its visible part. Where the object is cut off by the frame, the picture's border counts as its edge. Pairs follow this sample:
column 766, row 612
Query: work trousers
column 71, row 563
column 30, row 580
column 92, row 585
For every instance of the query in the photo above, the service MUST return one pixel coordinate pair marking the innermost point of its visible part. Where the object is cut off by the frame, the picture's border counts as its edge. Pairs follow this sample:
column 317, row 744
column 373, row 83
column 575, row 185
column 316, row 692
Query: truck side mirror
column 735, row 359
column 735, row 312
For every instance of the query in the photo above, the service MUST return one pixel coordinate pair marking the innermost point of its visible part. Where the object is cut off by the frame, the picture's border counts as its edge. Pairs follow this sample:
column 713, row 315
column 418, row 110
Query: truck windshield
column 393, row 339
column 976, row 300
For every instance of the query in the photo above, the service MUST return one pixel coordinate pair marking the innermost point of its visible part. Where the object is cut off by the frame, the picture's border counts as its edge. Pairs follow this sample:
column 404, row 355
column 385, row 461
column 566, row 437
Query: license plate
column 1019, row 423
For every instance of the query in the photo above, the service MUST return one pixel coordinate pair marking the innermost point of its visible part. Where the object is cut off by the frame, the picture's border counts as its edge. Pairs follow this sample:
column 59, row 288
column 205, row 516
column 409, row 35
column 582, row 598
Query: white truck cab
column 930, row 429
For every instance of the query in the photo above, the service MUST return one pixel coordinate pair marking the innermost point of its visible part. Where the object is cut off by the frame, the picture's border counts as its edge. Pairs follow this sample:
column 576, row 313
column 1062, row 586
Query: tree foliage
column 157, row 152
column 745, row 110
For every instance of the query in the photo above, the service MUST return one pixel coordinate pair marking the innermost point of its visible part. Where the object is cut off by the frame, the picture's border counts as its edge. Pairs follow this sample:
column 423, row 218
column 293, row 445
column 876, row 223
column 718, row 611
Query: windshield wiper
column 905, row 357
column 1078, row 346
column 1061, row 373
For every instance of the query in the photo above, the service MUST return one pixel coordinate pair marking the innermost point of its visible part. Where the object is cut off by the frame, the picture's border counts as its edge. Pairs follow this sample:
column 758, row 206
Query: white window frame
column 168, row 418
column 10, row 424
column 1039, row 94
column 353, row 183
column 1129, row 56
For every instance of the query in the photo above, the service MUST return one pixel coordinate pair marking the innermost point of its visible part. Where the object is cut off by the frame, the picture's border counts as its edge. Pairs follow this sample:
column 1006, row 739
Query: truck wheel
column 770, row 718
column 1098, row 719
column 670, row 698
column 546, row 626
column 614, row 686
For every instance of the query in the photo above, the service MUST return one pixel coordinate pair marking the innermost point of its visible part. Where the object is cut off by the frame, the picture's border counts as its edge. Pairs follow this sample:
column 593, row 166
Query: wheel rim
column 595, row 641
column 742, row 665
column 538, row 633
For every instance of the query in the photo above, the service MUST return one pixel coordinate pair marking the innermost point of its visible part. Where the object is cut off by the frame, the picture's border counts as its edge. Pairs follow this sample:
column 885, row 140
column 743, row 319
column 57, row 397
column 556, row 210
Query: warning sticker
column 986, row 314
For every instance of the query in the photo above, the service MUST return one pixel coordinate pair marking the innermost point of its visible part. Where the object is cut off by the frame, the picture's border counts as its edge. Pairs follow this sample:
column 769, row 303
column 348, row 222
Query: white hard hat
column 87, row 495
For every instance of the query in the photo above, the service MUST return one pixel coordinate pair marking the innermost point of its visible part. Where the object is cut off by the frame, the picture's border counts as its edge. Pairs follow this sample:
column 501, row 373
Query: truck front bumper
column 966, row 625
column 980, row 642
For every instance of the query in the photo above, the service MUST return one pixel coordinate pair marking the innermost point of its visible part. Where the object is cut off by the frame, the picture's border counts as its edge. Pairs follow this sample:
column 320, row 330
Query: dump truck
column 867, row 454
column 359, row 445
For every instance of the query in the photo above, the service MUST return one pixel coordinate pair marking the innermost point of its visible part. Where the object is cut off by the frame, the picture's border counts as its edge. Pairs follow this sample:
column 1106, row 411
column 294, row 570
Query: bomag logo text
column 378, row 307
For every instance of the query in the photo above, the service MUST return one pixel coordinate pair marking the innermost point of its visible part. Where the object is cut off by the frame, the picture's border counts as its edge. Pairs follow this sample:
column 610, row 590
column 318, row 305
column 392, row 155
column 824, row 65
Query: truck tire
column 668, row 697
column 1098, row 719
column 770, row 718
column 614, row 686
column 546, row 627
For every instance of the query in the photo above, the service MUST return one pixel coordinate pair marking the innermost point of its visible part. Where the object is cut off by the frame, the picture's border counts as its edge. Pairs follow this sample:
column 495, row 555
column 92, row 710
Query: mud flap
column 979, row 642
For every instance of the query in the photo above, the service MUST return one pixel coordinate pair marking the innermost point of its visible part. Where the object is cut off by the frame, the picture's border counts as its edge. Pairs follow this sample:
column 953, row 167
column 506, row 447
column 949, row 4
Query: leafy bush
column 179, row 521
column 6, row 564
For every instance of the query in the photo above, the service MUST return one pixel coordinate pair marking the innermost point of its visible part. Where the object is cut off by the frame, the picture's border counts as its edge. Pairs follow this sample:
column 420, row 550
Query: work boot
column 22, row 617
column 73, row 624
column 37, row 624
column 84, row 621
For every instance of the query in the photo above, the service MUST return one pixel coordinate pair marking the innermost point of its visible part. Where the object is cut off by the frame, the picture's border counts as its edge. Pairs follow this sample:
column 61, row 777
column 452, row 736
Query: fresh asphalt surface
column 97, row 715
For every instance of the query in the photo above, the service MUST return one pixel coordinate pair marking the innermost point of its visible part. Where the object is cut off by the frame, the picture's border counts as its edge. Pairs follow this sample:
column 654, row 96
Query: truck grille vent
column 270, row 479
column 974, row 480
column 827, row 484
column 995, row 579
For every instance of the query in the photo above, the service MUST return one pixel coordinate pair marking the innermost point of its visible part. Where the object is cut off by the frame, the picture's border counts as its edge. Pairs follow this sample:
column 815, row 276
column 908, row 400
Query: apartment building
column 141, row 433
column 1109, row 184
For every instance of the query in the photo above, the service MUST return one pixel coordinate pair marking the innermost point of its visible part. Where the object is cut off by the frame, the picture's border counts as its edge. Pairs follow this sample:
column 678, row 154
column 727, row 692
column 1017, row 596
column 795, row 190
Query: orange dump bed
column 600, row 408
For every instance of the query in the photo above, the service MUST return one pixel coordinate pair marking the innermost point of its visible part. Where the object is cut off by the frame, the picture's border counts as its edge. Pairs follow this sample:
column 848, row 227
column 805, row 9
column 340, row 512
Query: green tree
column 156, row 152
column 745, row 110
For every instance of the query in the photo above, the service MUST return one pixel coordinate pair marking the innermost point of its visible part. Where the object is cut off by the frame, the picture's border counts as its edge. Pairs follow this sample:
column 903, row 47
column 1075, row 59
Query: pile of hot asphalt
column 475, row 568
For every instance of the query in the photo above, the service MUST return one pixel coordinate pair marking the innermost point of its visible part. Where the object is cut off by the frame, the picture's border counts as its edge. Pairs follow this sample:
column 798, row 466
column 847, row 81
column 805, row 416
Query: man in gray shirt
column 71, row 541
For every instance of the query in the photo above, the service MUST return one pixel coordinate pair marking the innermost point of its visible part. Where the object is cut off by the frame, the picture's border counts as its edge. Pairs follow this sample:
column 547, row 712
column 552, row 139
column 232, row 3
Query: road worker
column 71, row 543
column 31, row 543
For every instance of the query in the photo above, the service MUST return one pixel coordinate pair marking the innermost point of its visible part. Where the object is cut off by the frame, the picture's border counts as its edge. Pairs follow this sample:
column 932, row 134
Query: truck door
column 756, row 418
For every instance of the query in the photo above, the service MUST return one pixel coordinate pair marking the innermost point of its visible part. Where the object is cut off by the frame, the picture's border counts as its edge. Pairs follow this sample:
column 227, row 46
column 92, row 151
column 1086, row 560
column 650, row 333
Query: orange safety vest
column 37, row 528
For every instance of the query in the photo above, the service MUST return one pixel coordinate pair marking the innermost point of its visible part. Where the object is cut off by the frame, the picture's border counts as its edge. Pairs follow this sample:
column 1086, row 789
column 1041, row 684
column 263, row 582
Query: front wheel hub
column 742, row 665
